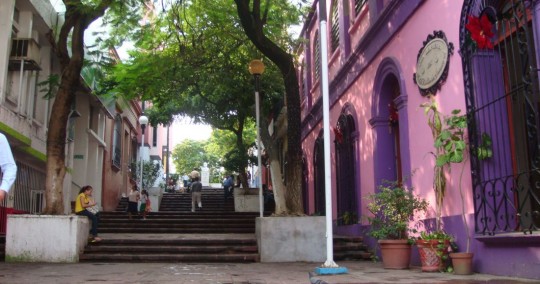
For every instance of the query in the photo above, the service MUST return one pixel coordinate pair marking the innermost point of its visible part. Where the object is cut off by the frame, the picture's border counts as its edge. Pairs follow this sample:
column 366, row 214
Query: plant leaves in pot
column 393, row 208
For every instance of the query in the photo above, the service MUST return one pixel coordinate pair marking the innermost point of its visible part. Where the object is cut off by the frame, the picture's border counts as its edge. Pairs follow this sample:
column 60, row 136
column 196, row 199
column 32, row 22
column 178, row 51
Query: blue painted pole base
column 331, row 270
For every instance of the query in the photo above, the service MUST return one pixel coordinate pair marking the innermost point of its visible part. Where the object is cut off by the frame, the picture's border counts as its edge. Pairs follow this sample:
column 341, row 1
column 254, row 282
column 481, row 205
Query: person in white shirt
column 7, row 166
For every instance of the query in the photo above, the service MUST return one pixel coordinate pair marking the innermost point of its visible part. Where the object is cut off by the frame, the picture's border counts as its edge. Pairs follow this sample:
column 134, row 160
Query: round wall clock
column 432, row 63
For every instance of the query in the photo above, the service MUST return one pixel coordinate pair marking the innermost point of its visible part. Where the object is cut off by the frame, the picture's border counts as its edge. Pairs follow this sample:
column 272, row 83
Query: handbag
column 93, row 209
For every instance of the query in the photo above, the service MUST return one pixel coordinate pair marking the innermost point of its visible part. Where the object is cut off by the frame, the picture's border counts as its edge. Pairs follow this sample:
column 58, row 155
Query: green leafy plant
column 454, row 144
column 393, row 208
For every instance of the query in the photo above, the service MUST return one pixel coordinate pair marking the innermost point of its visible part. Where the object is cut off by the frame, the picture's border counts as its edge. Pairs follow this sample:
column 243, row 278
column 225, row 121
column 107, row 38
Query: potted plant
column 393, row 208
column 453, row 140
column 433, row 249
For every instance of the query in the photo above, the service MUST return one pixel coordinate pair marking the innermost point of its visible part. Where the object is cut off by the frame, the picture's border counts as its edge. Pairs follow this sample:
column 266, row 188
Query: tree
column 189, row 155
column 68, row 46
column 150, row 173
column 194, row 63
column 254, row 21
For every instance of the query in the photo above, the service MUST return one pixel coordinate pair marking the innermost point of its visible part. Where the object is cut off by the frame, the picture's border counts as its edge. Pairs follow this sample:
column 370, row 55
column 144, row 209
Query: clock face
column 431, row 64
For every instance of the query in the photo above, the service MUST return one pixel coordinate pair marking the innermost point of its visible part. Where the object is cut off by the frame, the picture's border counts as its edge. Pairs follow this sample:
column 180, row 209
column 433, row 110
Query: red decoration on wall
column 481, row 30
column 394, row 116
column 338, row 134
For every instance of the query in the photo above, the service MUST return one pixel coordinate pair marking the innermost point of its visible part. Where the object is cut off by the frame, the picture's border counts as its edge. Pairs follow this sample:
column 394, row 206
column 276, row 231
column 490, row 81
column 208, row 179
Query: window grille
column 358, row 5
column 317, row 56
column 335, row 27
column 502, row 98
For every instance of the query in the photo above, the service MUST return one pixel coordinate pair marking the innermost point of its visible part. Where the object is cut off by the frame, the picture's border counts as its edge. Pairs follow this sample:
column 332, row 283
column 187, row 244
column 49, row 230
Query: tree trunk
column 70, row 51
column 271, row 149
column 253, row 25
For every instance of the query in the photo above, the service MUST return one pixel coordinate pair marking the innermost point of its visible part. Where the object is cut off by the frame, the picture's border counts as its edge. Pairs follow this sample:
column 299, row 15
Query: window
column 317, row 57
column 319, row 174
column 335, row 27
column 358, row 5
column 345, row 169
column 154, row 136
column 503, row 102
column 117, row 142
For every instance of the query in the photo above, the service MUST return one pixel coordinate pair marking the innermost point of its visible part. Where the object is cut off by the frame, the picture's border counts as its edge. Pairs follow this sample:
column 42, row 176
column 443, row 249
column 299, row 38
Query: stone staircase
column 175, row 234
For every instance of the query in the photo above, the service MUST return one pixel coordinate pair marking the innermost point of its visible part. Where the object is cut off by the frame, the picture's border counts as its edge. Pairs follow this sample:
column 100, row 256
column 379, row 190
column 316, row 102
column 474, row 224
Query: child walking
column 145, row 203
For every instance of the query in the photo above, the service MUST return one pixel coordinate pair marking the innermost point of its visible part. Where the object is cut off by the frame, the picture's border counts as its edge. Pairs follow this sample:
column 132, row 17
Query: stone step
column 162, row 230
column 171, row 258
column 174, row 248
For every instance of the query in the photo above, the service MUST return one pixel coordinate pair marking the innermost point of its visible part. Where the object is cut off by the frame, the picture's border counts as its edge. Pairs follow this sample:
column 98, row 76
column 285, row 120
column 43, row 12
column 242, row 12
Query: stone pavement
column 254, row 273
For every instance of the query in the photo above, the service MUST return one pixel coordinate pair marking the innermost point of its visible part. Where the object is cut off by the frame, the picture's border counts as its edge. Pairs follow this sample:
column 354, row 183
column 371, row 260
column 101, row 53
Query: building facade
column 102, row 133
column 386, row 58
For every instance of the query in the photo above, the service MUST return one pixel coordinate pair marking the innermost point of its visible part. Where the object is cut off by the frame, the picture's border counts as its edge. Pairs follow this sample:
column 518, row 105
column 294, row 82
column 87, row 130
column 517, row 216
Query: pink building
column 384, row 57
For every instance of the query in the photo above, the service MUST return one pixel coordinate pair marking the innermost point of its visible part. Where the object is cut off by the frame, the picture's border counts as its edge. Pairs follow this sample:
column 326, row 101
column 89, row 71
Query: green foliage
column 440, row 236
column 189, row 155
column 454, row 144
column 49, row 86
column 393, row 208
column 439, row 241
column 150, row 173
column 349, row 218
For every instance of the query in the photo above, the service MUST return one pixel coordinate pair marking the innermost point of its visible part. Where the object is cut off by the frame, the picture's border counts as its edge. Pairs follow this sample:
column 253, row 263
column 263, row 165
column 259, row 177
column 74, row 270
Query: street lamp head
column 143, row 120
column 256, row 67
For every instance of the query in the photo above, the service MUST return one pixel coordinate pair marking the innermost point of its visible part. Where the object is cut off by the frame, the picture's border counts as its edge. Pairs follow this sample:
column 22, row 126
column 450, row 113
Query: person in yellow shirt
column 83, row 207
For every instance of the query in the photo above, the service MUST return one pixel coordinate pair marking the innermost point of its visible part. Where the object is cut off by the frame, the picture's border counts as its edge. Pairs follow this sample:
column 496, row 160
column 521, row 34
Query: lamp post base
column 331, row 270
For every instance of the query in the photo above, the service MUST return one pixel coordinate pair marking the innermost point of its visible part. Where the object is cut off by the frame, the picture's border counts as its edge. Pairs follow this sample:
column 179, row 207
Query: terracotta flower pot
column 432, row 255
column 462, row 263
column 396, row 254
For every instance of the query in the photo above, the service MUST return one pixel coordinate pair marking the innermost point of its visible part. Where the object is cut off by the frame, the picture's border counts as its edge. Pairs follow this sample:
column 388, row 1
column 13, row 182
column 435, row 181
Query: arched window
column 503, row 102
column 346, row 170
column 318, row 164
column 117, row 142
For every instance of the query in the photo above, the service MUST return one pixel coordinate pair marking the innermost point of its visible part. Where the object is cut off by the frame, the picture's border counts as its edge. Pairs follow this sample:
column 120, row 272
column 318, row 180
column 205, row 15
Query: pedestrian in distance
column 85, row 205
column 185, row 179
column 8, row 168
column 133, row 202
column 196, row 191
column 227, row 187
column 145, row 203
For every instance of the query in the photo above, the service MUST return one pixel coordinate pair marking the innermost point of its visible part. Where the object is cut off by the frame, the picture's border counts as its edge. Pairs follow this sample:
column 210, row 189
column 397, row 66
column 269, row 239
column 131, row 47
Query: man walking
column 196, row 191
column 7, row 167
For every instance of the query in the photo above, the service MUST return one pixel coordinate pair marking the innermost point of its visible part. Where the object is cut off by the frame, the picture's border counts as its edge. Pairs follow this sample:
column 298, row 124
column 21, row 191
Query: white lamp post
column 329, row 267
column 143, row 121
column 256, row 68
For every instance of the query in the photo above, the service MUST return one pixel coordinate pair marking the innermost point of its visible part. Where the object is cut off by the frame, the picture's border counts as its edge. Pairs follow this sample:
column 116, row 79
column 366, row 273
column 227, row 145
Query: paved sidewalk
column 255, row 273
